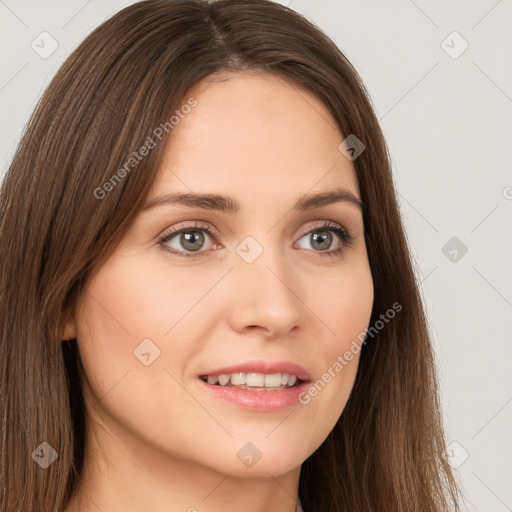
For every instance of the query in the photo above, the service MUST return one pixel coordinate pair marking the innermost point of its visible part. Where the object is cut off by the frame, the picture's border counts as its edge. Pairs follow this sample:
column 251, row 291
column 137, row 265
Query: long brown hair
column 385, row 453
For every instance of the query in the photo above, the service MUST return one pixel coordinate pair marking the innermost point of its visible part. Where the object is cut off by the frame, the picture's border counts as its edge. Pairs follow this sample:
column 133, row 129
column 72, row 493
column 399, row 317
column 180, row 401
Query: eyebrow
column 229, row 205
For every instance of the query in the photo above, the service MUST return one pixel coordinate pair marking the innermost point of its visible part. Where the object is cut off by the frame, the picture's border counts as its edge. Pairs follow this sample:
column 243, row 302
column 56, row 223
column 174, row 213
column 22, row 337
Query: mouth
column 256, row 392
column 254, row 381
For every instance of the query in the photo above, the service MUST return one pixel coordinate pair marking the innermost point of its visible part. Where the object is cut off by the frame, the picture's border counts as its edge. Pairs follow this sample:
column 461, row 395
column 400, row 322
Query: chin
column 249, row 459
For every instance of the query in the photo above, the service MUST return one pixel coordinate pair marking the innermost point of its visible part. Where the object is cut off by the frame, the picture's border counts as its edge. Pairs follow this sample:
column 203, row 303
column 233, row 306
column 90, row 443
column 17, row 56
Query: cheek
column 137, row 328
column 131, row 299
column 119, row 313
column 345, row 311
column 124, row 315
column 344, row 305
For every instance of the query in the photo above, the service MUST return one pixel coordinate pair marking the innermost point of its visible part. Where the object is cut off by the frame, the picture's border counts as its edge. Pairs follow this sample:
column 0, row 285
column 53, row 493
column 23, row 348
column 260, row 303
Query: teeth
column 238, row 378
column 273, row 380
column 212, row 379
column 255, row 380
column 223, row 379
column 258, row 380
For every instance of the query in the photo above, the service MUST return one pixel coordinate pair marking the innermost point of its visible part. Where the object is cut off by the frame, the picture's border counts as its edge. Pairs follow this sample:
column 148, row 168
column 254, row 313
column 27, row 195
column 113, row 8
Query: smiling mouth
column 253, row 381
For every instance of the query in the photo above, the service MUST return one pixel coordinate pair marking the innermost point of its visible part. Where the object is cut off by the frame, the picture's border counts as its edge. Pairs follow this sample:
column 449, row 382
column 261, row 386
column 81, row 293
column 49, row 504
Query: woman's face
column 268, row 283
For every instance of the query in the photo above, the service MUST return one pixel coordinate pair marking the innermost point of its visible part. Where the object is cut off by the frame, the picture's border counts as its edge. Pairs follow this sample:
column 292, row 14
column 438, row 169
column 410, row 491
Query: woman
column 201, row 209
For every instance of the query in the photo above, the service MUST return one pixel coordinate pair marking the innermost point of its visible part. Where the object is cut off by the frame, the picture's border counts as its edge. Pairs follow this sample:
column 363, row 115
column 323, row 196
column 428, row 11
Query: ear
column 69, row 329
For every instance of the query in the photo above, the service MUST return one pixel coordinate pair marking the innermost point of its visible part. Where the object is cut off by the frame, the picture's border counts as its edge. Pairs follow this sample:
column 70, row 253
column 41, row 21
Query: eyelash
column 343, row 233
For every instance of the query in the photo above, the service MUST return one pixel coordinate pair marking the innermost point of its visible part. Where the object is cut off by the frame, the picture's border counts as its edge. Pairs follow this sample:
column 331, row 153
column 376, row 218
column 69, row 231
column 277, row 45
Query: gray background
column 447, row 120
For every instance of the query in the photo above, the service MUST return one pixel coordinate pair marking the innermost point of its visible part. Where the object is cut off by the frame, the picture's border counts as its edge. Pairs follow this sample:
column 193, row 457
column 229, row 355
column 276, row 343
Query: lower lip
column 262, row 401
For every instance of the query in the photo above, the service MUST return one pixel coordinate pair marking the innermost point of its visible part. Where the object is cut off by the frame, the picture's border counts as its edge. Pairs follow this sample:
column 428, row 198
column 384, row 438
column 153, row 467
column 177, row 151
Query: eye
column 321, row 239
column 191, row 239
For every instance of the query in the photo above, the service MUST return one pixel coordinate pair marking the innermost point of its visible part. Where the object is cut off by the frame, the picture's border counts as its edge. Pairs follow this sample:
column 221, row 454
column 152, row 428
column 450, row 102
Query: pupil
column 322, row 237
column 188, row 240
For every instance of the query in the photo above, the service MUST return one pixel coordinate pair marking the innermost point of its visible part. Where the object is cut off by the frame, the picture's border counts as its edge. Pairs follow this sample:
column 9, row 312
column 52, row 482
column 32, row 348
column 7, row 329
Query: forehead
column 251, row 133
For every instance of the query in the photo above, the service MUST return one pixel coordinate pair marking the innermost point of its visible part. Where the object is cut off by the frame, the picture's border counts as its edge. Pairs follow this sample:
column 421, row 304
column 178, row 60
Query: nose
column 265, row 296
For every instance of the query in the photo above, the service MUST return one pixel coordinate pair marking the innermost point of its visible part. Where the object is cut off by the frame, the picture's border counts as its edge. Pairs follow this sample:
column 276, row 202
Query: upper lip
column 266, row 367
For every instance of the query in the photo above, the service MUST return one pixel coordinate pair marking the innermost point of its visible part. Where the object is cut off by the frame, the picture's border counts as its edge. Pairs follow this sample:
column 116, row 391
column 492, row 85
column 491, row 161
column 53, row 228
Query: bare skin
column 155, row 439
